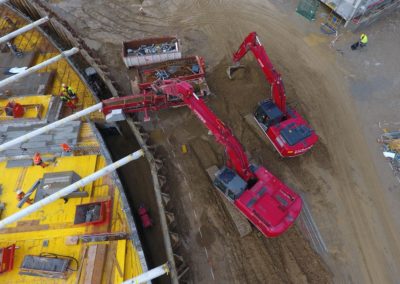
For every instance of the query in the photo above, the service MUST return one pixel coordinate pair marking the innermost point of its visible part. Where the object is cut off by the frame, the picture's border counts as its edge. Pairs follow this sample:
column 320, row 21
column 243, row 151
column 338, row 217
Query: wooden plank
column 99, row 264
column 109, row 266
column 81, row 262
column 90, row 264
column 28, row 228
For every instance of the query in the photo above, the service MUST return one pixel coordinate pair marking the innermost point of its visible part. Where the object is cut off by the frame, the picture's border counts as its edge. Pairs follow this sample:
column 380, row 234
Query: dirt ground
column 348, row 186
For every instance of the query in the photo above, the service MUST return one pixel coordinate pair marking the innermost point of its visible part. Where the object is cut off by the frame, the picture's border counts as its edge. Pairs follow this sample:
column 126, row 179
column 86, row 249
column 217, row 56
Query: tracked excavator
column 263, row 199
column 287, row 130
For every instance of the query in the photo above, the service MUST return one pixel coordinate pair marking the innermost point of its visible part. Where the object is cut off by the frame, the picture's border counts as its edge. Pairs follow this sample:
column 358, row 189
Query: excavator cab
column 229, row 183
column 268, row 114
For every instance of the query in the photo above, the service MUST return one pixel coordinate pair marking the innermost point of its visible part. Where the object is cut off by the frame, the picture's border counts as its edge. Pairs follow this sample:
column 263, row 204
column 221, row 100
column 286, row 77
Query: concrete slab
column 46, row 143
column 9, row 60
column 32, row 85
column 63, row 129
column 54, row 109
column 30, row 145
column 19, row 163
column 43, row 137
column 14, row 134
column 11, row 153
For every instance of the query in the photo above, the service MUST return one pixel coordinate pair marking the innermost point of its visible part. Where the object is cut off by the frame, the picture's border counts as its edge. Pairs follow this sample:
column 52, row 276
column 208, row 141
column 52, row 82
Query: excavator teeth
column 233, row 69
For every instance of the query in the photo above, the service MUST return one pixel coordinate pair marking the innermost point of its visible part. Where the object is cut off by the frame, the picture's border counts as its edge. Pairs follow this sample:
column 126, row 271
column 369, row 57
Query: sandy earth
column 347, row 184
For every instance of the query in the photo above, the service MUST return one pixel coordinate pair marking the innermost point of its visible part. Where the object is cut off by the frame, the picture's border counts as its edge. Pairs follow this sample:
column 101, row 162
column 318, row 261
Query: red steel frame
column 7, row 260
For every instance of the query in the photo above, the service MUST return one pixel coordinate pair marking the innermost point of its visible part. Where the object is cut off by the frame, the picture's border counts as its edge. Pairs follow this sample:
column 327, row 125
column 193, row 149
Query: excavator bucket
column 232, row 69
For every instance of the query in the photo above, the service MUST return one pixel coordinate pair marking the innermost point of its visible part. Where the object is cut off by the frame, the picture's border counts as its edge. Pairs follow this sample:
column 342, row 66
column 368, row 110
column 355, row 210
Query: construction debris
column 150, row 50
column 153, row 48
column 391, row 149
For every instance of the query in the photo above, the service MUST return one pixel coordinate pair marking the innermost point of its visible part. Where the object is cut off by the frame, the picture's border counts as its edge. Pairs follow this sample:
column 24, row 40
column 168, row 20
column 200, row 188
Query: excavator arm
column 252, row 42
column 237, row 158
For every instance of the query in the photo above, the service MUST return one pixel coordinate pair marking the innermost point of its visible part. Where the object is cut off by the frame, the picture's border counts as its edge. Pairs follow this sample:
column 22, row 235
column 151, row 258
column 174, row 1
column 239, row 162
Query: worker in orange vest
column 21, row 195
column 37, row 160
column 66, row 148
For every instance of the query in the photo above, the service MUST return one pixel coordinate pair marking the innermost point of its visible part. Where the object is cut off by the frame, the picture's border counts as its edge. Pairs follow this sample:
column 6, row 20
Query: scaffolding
column 357, row 13
column 332, row 24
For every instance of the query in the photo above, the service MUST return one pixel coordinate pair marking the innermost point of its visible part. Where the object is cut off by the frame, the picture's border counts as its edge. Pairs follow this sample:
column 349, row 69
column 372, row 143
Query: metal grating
column 51, row 267
column 308, row 8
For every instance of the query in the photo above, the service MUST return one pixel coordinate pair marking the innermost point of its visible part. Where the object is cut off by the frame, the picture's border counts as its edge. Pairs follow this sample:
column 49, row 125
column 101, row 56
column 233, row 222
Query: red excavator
column 285, row 128
column 265, row 201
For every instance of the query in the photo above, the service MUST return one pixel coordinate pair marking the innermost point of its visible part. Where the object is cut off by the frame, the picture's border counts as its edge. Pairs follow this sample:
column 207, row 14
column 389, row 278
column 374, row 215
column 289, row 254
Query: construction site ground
column 348, row 186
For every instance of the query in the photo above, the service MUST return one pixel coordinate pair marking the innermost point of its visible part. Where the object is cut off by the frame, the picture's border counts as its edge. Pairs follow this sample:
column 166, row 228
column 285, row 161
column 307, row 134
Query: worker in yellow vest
column 363, row 40
column 67, row 90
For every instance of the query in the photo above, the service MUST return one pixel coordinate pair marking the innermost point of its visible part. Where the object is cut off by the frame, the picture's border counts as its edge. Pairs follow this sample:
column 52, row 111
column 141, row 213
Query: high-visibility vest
column 64, row 97
column 364, row 39
column 69, row 92
column 66, row 147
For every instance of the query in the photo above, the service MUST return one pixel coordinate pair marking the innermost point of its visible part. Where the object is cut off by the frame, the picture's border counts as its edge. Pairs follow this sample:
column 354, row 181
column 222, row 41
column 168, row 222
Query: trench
column 138, row 187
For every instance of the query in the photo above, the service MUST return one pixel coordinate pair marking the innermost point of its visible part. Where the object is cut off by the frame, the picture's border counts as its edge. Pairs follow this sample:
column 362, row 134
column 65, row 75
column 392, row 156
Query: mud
column 327, row 85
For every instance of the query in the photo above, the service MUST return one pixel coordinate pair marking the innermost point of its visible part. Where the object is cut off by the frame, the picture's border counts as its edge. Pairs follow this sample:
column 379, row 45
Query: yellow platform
column 51, row 230
column 35, row 107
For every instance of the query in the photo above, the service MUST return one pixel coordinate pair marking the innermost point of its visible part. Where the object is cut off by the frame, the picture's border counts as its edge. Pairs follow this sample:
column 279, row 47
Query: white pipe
column 50, row 126
column 26, row 28
column 71, row 188
column 149, row 275
column 38, row 67
column 3, row 1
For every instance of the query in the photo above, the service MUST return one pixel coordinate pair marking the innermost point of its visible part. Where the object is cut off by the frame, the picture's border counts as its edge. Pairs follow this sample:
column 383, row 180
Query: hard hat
column 19, row 191
column 63, row 85
column 363, row 35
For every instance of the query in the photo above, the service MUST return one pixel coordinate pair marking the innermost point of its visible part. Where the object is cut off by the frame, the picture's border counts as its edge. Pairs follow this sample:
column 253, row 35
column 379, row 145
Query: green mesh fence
column 308, row 8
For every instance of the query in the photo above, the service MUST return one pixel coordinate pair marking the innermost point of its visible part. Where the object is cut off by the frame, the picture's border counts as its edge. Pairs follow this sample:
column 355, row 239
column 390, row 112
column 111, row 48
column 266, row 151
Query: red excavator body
column 287, row 130
column 269, row 204
column 266, row 201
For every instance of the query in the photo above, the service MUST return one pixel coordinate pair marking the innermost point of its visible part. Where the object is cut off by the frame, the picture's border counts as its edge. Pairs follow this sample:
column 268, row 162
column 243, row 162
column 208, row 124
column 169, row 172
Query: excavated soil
column 337, row 177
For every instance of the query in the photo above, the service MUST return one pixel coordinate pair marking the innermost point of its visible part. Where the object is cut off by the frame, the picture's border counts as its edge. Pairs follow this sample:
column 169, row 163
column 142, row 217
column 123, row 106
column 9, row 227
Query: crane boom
column 237, row 158
column 251, row 42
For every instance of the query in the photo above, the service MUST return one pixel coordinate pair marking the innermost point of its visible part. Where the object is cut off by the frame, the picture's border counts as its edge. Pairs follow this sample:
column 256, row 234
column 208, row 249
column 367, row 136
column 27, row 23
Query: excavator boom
column 251, row 42
column 237, row 158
